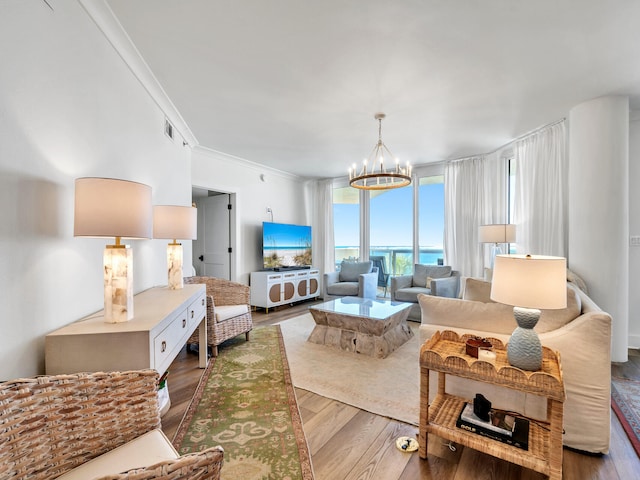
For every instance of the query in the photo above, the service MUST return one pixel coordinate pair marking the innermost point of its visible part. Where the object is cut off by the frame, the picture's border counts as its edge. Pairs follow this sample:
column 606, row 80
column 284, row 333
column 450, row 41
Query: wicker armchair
column 51, row 426
column 228, row 311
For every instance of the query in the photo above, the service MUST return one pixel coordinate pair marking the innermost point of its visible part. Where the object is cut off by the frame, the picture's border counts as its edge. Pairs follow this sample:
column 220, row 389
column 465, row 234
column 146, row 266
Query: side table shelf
column 445, row 354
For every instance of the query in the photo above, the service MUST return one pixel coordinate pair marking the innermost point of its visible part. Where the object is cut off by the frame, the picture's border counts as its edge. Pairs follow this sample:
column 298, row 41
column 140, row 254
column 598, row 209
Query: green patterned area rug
column 246, row 403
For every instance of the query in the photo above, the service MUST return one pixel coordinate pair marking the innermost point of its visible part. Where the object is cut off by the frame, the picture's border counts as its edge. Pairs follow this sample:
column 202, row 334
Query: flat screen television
column 285, row 246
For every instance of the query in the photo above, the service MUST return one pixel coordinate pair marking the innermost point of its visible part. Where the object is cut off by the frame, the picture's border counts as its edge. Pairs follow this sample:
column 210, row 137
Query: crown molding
column 225, row 157
column 112, row 29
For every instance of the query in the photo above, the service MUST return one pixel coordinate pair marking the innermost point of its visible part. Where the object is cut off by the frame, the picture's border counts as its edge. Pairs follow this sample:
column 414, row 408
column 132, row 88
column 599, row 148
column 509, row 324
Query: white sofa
column 581, row 333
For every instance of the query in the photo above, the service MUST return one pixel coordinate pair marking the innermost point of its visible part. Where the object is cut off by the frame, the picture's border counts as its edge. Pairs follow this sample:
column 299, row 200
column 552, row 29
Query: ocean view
column 398, row 260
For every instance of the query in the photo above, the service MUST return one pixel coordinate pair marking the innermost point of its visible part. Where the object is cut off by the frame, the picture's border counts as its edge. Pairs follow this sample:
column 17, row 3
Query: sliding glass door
column 391, row 229
column 431, row 219
column 397, row 228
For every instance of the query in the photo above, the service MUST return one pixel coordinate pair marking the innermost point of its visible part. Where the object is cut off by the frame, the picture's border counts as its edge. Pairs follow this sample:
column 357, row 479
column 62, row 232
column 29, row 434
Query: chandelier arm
column 371, row 160
column 382, row 179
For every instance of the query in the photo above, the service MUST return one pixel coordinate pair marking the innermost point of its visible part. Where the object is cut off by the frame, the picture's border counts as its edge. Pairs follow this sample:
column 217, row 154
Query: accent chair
column 92, row 425
column 228, row 311
column 383, row 276
column 437, row 280
column 354, row 279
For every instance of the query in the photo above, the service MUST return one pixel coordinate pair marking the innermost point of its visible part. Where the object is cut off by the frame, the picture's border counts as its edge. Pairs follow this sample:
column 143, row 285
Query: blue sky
column 392, row 218
column 283, row 235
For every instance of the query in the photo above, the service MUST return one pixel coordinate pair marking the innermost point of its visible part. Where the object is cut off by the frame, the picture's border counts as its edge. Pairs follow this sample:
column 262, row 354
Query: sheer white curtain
column 540, row 163
column 322, row 220
column 463, row 207
column 495, row 196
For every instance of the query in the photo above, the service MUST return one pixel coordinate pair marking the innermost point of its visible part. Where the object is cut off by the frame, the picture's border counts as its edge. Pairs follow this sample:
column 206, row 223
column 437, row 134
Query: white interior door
column 214, row 260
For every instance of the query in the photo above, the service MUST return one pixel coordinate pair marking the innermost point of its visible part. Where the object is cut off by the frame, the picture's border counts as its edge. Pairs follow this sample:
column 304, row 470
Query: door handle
column 201, row 258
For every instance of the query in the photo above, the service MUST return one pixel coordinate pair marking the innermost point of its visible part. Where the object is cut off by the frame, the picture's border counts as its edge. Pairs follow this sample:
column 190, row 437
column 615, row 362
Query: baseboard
column 634, row 341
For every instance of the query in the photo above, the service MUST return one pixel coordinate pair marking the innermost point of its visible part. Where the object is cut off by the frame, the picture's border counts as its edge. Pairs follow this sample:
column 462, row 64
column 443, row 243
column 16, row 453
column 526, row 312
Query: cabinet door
column 302, row 288
column 275, row 294
column 314, row 283
column 313, row 287
column 289, row 286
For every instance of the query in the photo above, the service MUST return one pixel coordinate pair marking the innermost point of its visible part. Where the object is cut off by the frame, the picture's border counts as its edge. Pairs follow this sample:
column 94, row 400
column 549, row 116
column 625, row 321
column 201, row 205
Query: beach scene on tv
column 286, row 245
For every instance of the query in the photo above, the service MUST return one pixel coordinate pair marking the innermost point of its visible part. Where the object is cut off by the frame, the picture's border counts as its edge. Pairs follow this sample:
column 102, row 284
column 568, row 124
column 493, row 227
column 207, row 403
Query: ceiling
column 294, row 84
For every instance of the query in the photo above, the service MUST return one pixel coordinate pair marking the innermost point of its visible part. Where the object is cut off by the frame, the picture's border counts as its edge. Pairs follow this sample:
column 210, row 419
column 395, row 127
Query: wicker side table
column 445, row 354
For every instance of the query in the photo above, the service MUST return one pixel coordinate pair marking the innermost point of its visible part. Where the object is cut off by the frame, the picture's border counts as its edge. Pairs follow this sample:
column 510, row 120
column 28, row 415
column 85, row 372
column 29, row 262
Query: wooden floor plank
column 326, row 423
column 313, row 402
column 338, row 457
column 622, row 459
column 382, row 459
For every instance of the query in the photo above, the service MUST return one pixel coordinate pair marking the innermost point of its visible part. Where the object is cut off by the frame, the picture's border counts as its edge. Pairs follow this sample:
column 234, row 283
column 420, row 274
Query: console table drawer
column 169, row 341
column 197, row 310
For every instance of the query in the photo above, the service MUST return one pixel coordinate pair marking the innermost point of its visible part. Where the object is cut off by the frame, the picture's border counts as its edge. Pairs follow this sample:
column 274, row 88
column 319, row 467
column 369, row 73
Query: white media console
column 271, row 288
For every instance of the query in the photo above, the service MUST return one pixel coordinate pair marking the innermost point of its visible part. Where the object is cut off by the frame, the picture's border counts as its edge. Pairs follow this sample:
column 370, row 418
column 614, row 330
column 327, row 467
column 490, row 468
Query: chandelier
column 377, row 178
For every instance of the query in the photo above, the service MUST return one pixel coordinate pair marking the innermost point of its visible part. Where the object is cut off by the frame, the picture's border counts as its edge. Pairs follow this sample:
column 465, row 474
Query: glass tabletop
column 362, row 307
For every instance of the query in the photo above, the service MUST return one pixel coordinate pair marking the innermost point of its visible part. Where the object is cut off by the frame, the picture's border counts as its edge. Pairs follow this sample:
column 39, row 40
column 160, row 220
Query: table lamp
column 173, row 222
column 107, row 207
column 496, row 234
column 529, row 283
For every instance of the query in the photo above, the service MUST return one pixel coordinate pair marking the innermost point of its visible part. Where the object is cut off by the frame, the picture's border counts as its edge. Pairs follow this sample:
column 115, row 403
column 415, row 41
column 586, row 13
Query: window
column 397, row 225
column 346, row 223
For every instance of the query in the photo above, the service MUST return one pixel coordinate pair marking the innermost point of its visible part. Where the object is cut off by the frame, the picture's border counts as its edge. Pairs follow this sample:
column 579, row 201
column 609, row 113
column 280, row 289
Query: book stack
column 501, row 426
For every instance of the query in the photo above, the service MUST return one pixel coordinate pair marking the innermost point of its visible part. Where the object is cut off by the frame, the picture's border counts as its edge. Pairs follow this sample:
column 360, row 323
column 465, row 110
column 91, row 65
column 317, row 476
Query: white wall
column 69, row 107
column 256, row 188
column 599, row 208
column 634, row 229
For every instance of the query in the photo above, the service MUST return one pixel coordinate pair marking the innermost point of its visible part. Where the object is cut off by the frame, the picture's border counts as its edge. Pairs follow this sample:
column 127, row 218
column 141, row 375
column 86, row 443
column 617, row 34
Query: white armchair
column 355, row 279
column 437, row 280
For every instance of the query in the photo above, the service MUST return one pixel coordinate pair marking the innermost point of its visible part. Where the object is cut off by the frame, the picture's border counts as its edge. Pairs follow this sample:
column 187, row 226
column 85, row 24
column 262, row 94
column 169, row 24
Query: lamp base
column 174, row 262
column 524, row 349
column 496, row 249
column 118, row 283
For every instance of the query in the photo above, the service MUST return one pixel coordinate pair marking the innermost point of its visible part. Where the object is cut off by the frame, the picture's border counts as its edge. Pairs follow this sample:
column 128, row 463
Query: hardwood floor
column 347, row 443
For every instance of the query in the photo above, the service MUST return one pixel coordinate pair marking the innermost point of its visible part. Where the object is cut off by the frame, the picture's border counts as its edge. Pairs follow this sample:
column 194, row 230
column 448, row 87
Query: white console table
column 271, row 288
column 163, row 321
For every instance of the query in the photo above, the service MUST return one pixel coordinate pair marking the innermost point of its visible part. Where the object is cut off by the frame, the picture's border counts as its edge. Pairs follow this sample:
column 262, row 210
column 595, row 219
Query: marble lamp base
column 174, row 263
column 118, row 283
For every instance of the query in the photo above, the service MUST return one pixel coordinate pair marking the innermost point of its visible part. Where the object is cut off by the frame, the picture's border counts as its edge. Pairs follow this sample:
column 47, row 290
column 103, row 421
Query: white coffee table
column 361, row 325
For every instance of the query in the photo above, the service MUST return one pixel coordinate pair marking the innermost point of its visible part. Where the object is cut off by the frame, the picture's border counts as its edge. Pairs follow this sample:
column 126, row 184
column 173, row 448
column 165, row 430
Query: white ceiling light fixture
column 377, row 178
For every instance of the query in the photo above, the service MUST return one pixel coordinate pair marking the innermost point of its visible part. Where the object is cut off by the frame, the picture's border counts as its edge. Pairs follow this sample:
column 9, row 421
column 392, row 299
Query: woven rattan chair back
column 51, row 424
column 223, row 292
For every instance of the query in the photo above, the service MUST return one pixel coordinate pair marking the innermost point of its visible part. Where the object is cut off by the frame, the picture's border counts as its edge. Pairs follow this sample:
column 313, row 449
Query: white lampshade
column 107, row 207
column 175, row 222
column 530, row 281
column 497, row 233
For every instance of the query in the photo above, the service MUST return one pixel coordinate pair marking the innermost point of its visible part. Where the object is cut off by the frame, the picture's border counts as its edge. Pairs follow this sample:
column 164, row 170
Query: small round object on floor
column 407, row 444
